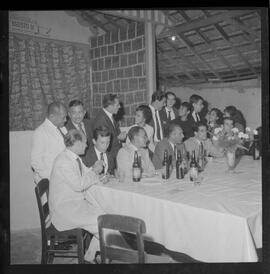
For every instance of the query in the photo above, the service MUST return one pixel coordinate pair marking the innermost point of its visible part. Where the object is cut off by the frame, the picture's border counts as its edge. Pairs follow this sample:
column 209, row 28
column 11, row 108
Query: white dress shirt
column 47, row 143
column 104, row 157
column 77, row 127
column 155, row 123
column 172, row 113
column 195, row 116
column 109, row 115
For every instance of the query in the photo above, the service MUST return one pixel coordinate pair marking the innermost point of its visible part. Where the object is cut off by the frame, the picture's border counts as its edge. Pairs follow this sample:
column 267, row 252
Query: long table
column 219, row 220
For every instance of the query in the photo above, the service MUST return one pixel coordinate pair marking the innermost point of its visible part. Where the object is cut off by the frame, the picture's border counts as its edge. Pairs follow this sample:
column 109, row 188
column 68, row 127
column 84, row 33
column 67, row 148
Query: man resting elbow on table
column 138, row 142
column 71, row 206
column 200, row 136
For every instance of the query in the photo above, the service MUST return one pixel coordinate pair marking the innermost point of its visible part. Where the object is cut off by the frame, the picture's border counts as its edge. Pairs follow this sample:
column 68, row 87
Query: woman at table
column 138, row 141
column 214, row 120
column 237, row 116
column 142, row 118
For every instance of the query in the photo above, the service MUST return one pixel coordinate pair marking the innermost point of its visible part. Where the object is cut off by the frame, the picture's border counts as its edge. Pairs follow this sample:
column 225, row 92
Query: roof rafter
column 95, row 21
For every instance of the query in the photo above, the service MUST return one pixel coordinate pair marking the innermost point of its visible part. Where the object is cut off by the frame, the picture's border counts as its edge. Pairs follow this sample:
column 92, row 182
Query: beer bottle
column 179, row 166
column 103, row 163
column 165, row 166
column 136, row 168
column 201, row 157
column 193, row 172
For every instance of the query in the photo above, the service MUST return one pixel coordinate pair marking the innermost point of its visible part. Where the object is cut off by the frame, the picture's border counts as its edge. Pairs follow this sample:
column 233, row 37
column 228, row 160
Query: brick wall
column 118, row 66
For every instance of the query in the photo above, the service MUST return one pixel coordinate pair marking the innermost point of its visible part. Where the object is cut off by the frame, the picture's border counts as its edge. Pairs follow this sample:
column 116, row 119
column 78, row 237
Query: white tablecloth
column 218, row 221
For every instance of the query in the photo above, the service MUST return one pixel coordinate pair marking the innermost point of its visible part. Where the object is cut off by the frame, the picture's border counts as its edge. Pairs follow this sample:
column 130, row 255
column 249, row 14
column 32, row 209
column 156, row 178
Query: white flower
column 235, row 130
column 248, row 129
column 255, row 132
column 215, row 138
column 217, row 130
column 245, row 136
column 241, row 135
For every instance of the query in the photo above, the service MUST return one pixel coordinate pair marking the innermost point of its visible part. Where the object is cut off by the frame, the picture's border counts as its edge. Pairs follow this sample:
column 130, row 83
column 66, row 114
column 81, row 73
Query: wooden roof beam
column 181, row 28
column 112, row 22
column 95, row 21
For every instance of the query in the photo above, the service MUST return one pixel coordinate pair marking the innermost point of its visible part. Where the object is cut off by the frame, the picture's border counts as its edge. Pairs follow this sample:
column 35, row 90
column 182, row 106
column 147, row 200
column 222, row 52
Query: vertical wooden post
column 150, row 59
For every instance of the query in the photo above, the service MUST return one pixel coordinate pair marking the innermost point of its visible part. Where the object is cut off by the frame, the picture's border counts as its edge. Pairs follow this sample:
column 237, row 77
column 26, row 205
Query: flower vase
column 230, row 157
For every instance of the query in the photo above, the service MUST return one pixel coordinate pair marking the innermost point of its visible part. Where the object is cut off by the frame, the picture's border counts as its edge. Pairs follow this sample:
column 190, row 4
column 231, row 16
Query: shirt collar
column 133, row 147
column 97, row 152
column 72, row 154
column 171, row 144
column 152, row 108
column 108, row 113
column 168, row 109
column 49, row 123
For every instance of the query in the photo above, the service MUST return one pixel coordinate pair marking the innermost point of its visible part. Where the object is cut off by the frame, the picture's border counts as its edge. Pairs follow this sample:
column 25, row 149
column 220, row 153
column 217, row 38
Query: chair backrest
column 43, row 188
column 123, row 224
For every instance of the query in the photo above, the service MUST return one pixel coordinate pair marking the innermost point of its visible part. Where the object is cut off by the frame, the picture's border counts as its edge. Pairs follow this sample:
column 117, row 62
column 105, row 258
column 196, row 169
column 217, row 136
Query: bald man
column 48, row 141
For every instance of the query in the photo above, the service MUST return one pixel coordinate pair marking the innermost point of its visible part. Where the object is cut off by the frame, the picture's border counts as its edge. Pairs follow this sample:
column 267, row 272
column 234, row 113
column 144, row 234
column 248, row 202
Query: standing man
column 48, row 141
column 69, row 203
column 157, row 102
column 76, row 113
column 172, row 143
column 169, row 112
column 105, row 117
column 182, row 120
column 97, row 152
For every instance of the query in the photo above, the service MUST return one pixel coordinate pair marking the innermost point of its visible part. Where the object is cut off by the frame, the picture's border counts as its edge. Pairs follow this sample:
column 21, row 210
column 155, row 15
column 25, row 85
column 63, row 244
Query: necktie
column 158, row 126
column 175, row 151
column 81, row 128
column 169, row 115
column 80, row 164
column 197, row 117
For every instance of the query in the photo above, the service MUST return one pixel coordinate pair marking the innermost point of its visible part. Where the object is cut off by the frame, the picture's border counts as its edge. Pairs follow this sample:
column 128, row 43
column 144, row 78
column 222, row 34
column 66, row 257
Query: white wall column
column 150, row 57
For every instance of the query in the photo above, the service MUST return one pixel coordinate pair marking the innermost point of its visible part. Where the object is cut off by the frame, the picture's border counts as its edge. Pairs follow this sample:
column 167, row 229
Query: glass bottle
column 179, row 166
column 193, row 171
column 256, row 150
column 165, row 166
column 136, row 168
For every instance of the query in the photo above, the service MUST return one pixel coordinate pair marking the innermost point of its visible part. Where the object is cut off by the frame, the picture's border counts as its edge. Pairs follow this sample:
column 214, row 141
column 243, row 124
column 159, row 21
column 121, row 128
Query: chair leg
column 80, row 249
column 44, row 253
column 50, row 256
column 87, row 239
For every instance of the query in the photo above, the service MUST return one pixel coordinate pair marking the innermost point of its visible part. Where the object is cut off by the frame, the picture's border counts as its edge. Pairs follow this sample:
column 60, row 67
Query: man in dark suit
column 98, row 151
column 105, row 117
column 157, row 102
column 196, row 102
column 169, row 112
column 76, row 113
column 172, row 143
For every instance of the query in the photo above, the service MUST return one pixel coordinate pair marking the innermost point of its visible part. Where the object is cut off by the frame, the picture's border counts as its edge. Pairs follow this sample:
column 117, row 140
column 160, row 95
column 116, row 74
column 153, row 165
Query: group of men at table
column 72, row 154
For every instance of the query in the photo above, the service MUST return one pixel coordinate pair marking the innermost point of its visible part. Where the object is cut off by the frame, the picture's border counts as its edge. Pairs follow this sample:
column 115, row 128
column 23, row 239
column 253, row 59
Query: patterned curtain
column 42, row 71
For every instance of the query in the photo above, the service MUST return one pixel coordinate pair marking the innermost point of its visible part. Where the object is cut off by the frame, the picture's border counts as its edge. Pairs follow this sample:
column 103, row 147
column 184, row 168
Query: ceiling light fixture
column 173, row 38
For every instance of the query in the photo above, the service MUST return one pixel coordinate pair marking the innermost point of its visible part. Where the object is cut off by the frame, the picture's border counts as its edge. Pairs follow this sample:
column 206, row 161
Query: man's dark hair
column 147, row 113
column 108, row 99
column 72, row 136
column 194, row 98
column 102, row 131
column 133, row 132
column 54, row 107
column 75, row 103
column 158, row 95
column 170, row 128
column 187, row 105
column 196, row 127
column 170, row 93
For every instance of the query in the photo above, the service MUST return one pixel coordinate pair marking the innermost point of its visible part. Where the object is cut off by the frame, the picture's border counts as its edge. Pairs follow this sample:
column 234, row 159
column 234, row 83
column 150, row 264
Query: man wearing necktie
column 172, row 143
column 196, row 102
column 169, row 112
column 69, row 203
column 76, row 113
column 101, row 141
column 48, row 141
column 158, row 101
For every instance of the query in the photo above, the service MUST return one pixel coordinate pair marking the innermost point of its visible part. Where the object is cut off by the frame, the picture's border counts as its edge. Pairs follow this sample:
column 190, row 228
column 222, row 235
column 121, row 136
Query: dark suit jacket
column 152, row 124
column 164, row 119
column 192, row 122
column 87, row 124
column 91, row 158
column 102, row 119
column 159, row 152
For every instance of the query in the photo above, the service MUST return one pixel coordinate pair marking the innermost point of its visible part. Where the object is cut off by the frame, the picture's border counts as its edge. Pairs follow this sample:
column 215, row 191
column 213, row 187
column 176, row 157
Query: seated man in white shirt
column 138, row 140
column 48, row 141
column 200, row 136
column 69, row 203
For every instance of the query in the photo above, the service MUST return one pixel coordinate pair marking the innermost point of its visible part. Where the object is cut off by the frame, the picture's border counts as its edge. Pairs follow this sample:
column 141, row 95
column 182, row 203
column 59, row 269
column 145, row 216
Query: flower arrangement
column 229, row 141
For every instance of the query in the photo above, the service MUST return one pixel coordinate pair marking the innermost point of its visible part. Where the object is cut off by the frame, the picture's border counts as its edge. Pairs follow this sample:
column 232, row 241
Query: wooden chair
column 49, row 234
column 125, row 224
